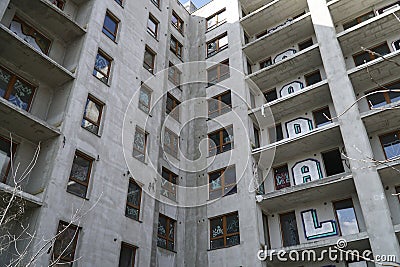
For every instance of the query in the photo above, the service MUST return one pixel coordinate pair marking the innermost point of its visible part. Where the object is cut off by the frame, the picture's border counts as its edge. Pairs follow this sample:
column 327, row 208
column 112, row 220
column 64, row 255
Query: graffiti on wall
column 298, row 127
column 314, row 229
column 291, row 88
column 306, row 171
column 284, row 55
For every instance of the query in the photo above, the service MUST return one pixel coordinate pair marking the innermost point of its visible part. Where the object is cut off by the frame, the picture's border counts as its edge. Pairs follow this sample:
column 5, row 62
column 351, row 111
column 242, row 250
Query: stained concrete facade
column 257, row 31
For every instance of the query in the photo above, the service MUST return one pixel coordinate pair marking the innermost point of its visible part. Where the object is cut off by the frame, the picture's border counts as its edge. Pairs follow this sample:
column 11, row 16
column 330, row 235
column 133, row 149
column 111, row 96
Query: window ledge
column 213, row 249
column 172, row 251
column 101, row 81
column 98, row 135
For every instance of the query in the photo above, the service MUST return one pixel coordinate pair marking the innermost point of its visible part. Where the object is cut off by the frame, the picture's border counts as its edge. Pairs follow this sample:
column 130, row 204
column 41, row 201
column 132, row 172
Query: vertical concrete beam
column 3, row 7
column 367, row 181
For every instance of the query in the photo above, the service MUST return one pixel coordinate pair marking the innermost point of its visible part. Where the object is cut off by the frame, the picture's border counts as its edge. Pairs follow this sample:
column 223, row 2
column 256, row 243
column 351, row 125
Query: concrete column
column 3, row 7
column 369, row 187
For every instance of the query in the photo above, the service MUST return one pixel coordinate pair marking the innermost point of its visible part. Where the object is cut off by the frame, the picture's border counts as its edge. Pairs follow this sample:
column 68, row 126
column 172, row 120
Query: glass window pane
column 232, row 224
column 5, row 157
column 76, row 189
column 290, row 234
column 382, row 50
column 21, row 94
column 133, row 194
column 80, row 168
column 223, row 41
column 282, row 179
column 92, row 111
column 132, row 213
column 391, row 145
column 144, row 100
column 127, row 256
column 64, row 246
column 217, row 243
column 140, row 141
column 90, row 126
column 215, row 181
column 162, row 226
column 161, row 242
column 230, row 175
column 217, row 227
column 232, row 240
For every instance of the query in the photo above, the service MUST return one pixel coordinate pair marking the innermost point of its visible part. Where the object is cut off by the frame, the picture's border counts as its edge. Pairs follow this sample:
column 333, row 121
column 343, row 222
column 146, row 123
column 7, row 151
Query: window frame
column 171, row 175
column 220, row 76
column 288, row 173
column 218, row 23
column 222, row 106
column 110, row 60
column 357, row 20
column 309, row 75
column 177, row 49
column 116, row 20
column 336, row 215
column 281, row 228
column 176, row 79
column 382, row 145
column 218, row 48
column 371, row 55
column 146, row 137
column 131, row 180
column 174, row 137
column 257, row 136
column 155, row 21
column 262, row 63
column 219, row 148
column 132, row 248
column 319, row 110
column 156, row 3
column 225, row 235
column 167, row 230
column 77, row 230
column 268, row 92
column 96, row 101
column 149, row 68
column 146, row 89
column 175, row 111
column 323, row 153
column 179, row 26
column 10, row 86
column 89, row 159
column 385, row 94
column 221, row 172
column 274, row 128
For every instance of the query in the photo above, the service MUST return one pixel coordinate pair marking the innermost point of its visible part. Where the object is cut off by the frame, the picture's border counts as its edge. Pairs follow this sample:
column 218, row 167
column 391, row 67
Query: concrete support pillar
column 3, row 7
column 367, row 181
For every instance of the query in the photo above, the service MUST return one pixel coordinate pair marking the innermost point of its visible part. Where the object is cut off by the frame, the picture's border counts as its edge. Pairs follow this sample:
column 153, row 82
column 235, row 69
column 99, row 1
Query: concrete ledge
column 385, row 118
column 25, row 124
column 291, row 66
column 23, row 55
column 32, row 200
column 54, row 19
column 314, row 95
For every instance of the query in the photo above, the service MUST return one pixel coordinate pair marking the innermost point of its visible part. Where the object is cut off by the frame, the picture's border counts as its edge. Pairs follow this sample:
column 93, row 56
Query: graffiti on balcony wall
column 314, row 229
column 396, row 45
column 284, row 55
column 298, row 127
column 291, row 88
column 306, row 171
column 280, row 26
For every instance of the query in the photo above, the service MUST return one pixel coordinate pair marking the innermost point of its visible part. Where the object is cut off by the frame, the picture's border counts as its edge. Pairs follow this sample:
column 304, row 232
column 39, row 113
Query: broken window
column 65, row 244
column 168, row 184
column 346, row 217
column 80, row 174
column 172, row 106
column 275, row 133
column 222, row 182
column 15, row 90
column 152, row 26
column 92, row 114
column 218, row 72
column 144, row 99
column 133, row 200
column 358, row 20
column 6, row 147
column 127, row 255
column 102, row 66
column 140, row 144
column 224, row 231
column 322, row 117
column 166, row 232
column 313, row 78
column 290, row 234
column 333, row 162
column 149, row 59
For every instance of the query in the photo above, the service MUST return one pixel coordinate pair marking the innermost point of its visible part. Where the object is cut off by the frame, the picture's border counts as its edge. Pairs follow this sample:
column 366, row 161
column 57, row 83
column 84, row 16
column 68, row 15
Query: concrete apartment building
column 176, row 136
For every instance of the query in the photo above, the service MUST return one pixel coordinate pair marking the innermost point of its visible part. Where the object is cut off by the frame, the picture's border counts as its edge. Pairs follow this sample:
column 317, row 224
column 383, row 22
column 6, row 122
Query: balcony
column 381, row 70
column 386, row 117
column 389, row 172
column 336, row 186
column 369, row 32
column 343, row 10
column 289, row 67
column 251, row 6
column 298, row 30
column 21, row 54
column 315, row 95
column 317, row 139
column 52, row 18
column 25, row 124
column 271, row 14
column 31, row 200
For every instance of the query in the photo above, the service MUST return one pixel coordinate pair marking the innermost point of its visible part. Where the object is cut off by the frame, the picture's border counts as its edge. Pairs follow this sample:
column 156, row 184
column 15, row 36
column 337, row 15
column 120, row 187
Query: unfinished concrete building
column 150, row 133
